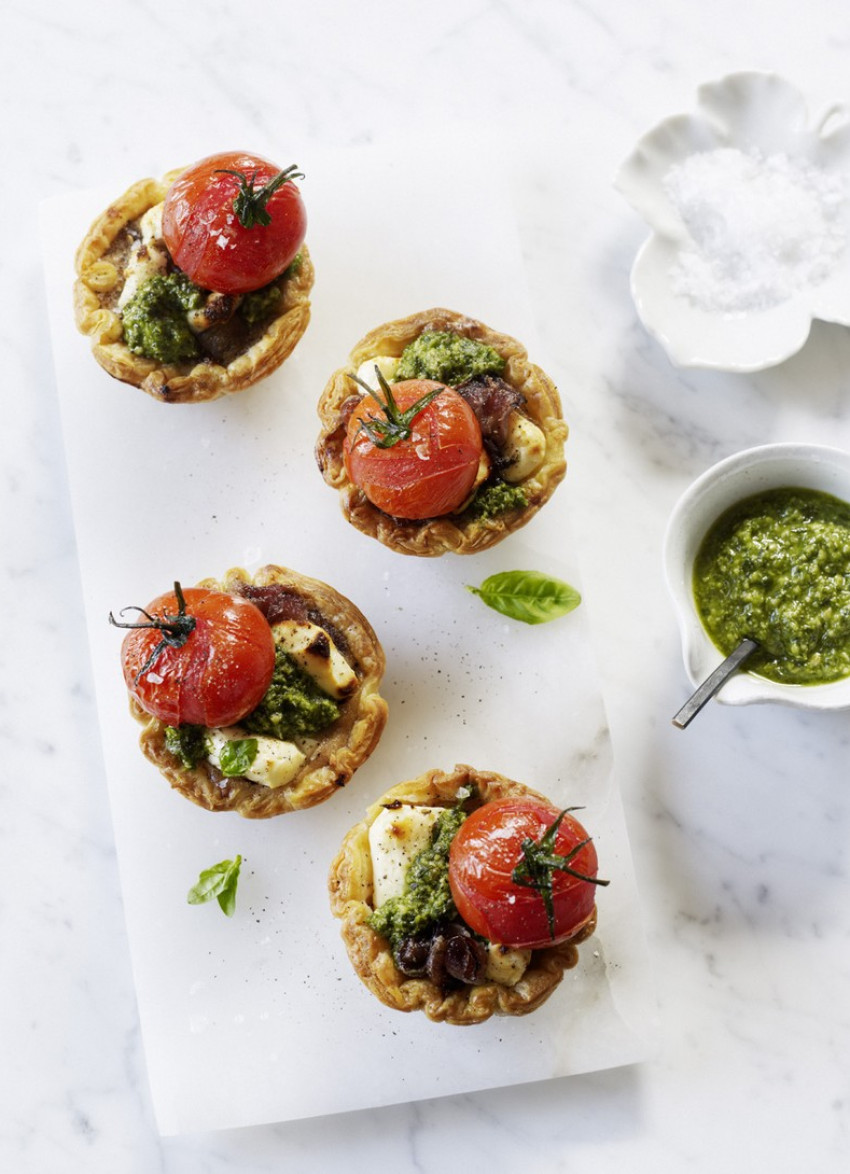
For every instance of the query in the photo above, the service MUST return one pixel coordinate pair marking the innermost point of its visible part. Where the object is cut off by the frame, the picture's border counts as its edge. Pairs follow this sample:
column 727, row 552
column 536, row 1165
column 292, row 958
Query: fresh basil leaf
column 236, row 756
column 227, row 897
column 529, row 596
column 220, row 882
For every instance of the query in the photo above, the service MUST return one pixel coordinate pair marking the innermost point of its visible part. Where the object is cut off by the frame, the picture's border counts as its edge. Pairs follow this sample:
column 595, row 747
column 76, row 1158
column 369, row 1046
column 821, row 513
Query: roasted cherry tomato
column 198, row 656
column 233, row 222
column 488, row 848
column 427, row 465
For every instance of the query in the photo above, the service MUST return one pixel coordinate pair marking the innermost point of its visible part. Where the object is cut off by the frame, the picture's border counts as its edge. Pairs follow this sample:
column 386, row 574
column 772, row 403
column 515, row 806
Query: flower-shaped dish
column 752, row 471
column 771, row 149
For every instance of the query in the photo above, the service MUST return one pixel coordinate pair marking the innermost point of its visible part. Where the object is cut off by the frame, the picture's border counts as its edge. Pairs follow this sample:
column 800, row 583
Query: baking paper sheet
column 261, row 1018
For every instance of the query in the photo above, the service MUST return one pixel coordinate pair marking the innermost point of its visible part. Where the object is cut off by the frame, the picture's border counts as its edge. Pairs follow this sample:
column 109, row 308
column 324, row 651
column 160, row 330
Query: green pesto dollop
column 427, row 896
column 294, row 266
column 776, row 567
column 448, row 358
column 154, row 319
column 187, row 743
column 260, row 304
column 293, row 704
column 496, row 497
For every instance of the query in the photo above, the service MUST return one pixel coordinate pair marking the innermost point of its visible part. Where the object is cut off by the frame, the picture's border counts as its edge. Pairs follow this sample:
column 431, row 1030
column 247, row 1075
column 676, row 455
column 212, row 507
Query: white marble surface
column 739, row 826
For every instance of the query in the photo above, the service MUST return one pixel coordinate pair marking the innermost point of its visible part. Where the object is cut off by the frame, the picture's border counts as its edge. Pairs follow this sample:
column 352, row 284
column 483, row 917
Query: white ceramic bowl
column 747, row 112
column 754, row 470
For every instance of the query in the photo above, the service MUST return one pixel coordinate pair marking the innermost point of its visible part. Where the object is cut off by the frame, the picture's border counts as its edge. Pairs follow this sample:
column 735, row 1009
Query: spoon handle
column 711, row 684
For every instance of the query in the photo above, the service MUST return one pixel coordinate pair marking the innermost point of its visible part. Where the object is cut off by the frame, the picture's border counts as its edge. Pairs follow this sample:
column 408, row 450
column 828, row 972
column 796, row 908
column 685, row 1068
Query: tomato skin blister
column 428, row 474
column 206, row 239
column 217, row 676
column 484, row 853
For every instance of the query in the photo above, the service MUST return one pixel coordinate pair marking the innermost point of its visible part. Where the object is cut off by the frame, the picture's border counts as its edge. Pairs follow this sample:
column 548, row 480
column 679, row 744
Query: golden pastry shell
column 350, row 886
column 99, row 281
column 459, row 533
column 338, row 751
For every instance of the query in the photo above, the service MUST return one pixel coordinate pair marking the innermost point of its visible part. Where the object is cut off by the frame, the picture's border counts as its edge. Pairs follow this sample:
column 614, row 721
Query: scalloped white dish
column 761, row 122
column 754, row 470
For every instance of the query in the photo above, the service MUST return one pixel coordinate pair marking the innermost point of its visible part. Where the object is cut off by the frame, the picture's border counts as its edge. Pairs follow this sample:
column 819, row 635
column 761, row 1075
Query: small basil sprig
column 236, row 756
column 529, row 596
column 220, row 882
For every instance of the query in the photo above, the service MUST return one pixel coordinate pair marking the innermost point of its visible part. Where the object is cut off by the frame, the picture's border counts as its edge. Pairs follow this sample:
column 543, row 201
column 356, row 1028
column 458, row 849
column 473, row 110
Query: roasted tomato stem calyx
column 250, row 201
column 204, row 658
column 540, row 861
column 175, row 629
column 396, row 424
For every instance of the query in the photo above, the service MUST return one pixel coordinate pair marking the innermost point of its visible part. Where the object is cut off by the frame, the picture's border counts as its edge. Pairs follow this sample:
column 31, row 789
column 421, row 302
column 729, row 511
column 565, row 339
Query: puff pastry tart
column 450, row 903
column 189, row 294
column 256, row 695
column 440, row 435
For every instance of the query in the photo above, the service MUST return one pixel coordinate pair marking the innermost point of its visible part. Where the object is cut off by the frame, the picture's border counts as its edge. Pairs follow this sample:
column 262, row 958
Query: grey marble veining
column 740, row 826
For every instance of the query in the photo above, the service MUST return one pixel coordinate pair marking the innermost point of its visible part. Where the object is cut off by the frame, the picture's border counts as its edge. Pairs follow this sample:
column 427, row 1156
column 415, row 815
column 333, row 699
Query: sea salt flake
column 761, row 228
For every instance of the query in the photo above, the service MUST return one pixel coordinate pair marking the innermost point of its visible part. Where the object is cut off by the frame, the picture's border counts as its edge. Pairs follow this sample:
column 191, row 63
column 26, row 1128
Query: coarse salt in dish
column 760, row 227
column 750, row 207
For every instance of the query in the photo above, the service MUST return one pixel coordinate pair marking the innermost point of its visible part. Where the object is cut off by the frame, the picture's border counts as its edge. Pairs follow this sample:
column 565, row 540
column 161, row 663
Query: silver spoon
column 711, row 684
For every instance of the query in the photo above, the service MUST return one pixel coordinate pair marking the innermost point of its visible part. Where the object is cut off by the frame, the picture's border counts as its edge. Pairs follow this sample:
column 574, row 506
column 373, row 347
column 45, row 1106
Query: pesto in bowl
column 788, row 600
column 776, row 567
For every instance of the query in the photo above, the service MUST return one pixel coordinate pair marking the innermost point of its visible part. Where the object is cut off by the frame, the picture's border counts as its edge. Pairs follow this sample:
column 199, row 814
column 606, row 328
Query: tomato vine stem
column 250, row 201
column 176, row 629
column 540, row 862
column 396, row 424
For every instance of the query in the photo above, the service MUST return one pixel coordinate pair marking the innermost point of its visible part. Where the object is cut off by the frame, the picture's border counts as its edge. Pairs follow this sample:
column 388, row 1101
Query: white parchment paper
column 260, row 1017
